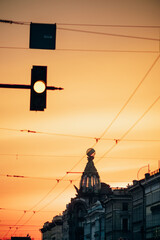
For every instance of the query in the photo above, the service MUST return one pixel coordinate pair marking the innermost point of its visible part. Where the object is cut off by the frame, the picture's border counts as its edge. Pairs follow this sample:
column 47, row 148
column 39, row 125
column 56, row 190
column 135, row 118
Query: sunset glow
column 107, row 59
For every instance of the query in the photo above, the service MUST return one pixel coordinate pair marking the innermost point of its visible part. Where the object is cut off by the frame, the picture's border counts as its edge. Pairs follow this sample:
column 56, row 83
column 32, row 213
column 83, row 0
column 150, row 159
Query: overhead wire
column 24, row 224
column 40, row 210
column 136, row 122
column 81, row 159
column 64, row 156
column 91, row 32
column 113, row 121
column 14, row 22
column 39, row 178
column 87, row 50
column 28, row 219
column 85, row 24
column 108, row 25
column 126, row 103
column 109, row 34
column 10, row 228
column 57, row 196
column 123, row 108
column 45, row 196
column 20, row 210
column 131, row 96
column 105, row 50
column 76, row 136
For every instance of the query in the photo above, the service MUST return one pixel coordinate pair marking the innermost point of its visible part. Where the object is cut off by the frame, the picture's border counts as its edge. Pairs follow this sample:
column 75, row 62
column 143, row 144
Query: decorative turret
column 90, row 180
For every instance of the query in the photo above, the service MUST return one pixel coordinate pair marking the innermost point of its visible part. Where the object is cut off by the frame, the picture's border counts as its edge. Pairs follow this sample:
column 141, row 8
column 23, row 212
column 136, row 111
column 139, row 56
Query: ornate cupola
column 90, row 180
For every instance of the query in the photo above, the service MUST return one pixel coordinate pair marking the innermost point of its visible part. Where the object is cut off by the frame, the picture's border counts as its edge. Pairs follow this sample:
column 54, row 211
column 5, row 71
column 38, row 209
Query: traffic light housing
column 38, row 88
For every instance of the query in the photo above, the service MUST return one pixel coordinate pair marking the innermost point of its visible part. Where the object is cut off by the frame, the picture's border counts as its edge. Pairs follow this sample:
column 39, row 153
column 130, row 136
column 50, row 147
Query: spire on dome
column 90, row 180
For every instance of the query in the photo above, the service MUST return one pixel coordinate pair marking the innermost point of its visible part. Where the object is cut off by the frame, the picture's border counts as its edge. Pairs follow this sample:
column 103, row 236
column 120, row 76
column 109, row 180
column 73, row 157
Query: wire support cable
column 108, row 128
column 136, row 122
column 10, row 228
column 90, row 32
column 72, row 136
column 87, row 50
column 40, row 210
column 28, row 220
column 24, row 224
column 104, row 50
column 14, row 22
column 37, row 178
column 85, row 24
column 45, row 196
column 52, row 200
column 126, row 103
column 131, row 96
column 78, row 161
column 20, row 210
column 108, row 25
column 109, row 150
column 108, row 34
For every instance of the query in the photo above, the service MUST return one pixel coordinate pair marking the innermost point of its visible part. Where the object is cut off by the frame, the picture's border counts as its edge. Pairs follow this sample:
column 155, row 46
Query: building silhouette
column 21, row 238
column 146, row 207
column 100, row 213
column 53, row 230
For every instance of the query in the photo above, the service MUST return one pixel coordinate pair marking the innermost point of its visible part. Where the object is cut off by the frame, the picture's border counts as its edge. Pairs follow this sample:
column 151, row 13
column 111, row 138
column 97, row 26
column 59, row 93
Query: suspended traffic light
column 38, row 88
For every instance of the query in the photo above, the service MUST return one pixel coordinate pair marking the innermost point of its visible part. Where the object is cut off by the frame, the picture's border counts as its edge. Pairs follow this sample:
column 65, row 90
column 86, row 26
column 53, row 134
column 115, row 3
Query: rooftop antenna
column 141, row 169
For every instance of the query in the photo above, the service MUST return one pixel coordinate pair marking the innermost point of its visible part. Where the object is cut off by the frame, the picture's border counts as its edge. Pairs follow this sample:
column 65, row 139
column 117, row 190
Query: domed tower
column 90, row 184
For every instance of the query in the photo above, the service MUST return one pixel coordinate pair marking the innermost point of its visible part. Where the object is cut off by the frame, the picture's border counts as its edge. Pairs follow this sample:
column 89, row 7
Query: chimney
column 147, row 175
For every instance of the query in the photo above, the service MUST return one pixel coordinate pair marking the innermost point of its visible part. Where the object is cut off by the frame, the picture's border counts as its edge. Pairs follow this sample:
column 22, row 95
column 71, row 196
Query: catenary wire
column 77, row 136
column 119, row 114
column 136, row 122
column 85, row 24
column 40, row 210
column 128, row 100
column 108, row 25
column 109, row 34
column 87, row 50
column 45, row 196
column 131, row 96
column 86, row 31
column 62, row 156
column 52, row 200
column 100, row 159
column 39, row 178
column 139, row 119
column 14, row 224
column 126, row 103
column 28, row 219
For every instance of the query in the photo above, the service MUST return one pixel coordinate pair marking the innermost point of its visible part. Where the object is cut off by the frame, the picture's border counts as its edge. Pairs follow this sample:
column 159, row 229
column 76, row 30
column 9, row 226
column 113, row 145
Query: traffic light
column 38, row 88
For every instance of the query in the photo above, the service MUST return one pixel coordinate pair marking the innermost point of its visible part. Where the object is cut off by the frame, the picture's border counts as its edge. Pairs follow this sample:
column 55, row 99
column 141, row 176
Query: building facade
column 78, row 214
column 94, row 225
column 146, row 207
column 118, row 215
column 100, row 213
column 52, row 230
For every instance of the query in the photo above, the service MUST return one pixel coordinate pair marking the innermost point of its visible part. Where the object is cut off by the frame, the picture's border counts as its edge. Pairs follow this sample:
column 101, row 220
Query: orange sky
column 111, row 91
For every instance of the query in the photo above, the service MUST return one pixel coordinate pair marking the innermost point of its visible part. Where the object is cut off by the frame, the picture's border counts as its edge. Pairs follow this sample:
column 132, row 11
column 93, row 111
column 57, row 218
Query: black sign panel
column 42, row 36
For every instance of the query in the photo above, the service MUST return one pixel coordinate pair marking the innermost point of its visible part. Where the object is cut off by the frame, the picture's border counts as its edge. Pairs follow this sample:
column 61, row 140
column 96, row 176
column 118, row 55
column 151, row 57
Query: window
column 125, row 206
column 125, row 224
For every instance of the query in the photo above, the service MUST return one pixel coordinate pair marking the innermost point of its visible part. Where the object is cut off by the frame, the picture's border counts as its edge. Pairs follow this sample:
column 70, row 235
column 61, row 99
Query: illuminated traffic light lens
column 39, row 86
